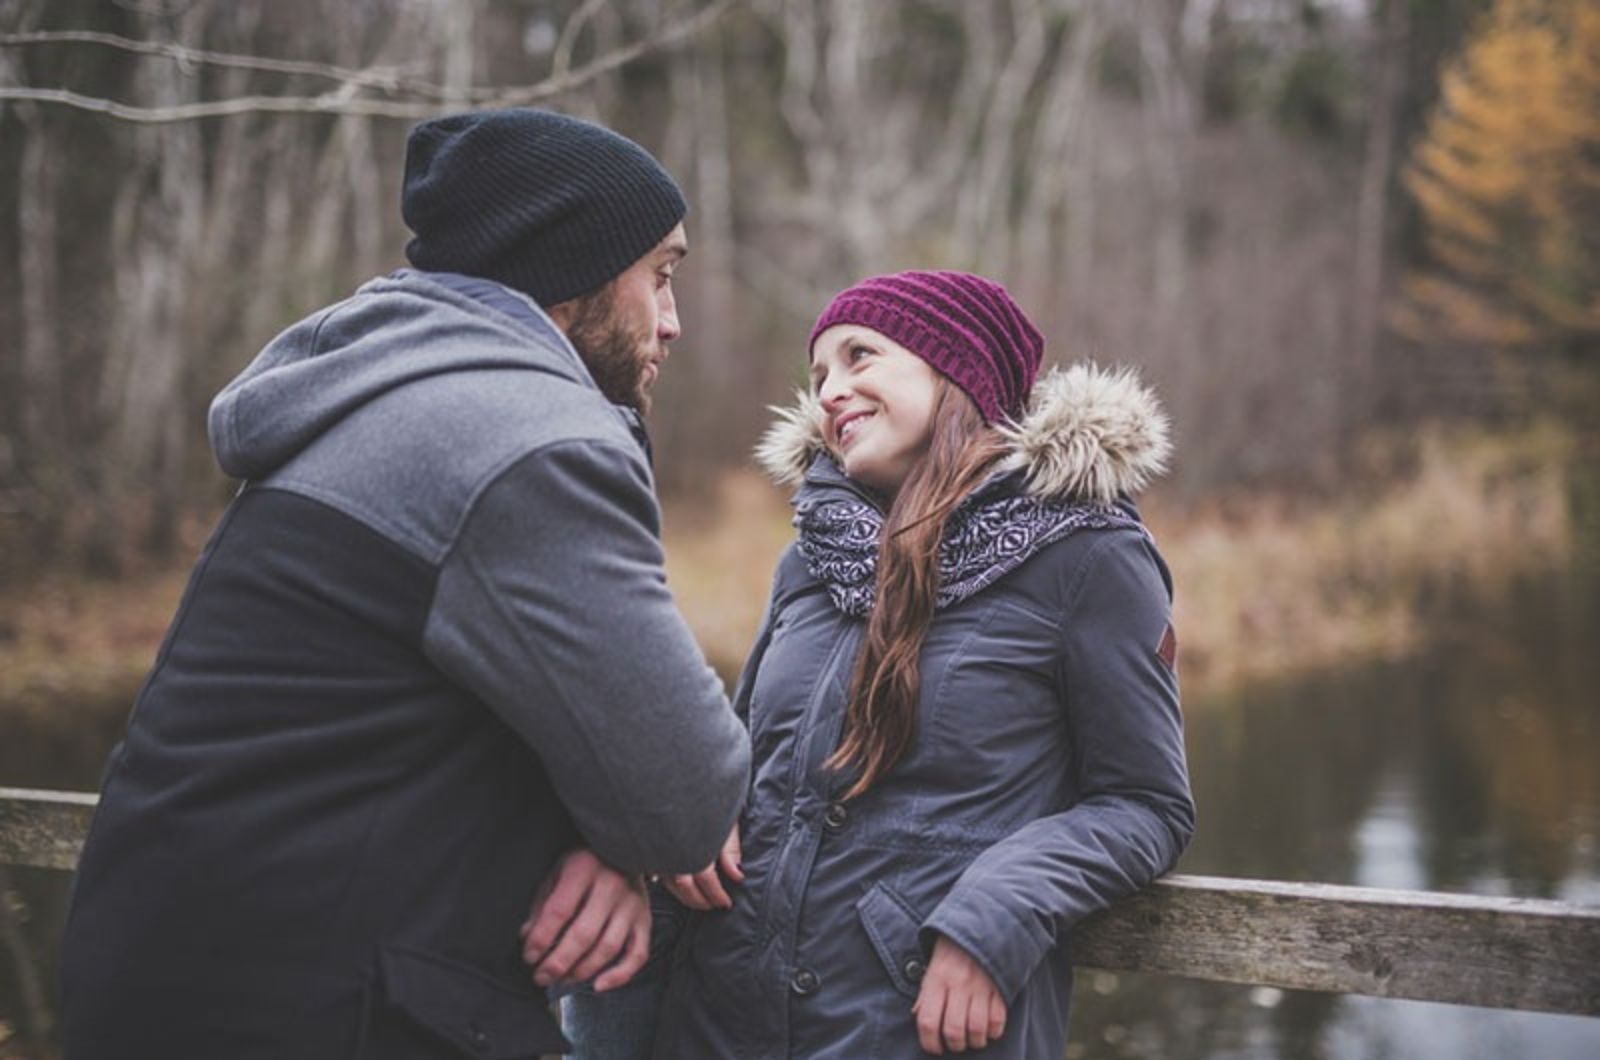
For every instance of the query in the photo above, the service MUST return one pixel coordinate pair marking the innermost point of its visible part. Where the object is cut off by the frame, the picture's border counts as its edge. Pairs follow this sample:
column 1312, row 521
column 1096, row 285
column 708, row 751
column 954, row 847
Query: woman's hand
column 958, row 1007
column 704, row 890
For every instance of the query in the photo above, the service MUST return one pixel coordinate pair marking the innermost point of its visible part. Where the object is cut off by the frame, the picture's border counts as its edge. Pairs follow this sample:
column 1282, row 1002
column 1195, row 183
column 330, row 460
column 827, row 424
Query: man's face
column 622, row 330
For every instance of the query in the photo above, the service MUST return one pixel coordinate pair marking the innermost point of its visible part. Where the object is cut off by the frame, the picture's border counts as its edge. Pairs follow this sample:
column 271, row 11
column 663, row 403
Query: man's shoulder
column 465, row 375
column 413, row 461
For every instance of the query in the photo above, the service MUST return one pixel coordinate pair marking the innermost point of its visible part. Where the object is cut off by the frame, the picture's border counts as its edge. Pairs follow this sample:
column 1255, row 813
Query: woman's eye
column 858, row 352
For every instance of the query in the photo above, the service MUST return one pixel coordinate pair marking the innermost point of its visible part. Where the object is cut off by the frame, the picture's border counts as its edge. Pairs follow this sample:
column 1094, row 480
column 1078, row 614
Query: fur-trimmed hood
column 1089, row 434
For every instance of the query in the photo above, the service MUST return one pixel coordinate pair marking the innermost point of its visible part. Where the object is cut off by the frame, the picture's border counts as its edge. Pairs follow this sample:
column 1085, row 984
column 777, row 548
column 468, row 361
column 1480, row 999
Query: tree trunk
column 1372, row 211
column 1060, row 181
column 143, row 390
column 985, row 214
column 43, row 414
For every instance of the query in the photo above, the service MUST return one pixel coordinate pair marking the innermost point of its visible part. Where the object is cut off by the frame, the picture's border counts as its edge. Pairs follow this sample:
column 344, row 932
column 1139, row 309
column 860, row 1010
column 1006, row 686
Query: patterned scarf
column 986, row 537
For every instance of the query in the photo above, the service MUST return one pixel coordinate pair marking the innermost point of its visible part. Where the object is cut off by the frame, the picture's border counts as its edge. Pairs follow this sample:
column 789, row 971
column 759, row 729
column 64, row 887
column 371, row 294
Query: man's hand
column 587, row 919
column 703, row 890
column 958, row 1007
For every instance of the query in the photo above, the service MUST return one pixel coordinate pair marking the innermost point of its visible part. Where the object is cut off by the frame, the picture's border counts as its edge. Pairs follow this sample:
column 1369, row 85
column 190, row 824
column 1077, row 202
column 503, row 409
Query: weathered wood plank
column 43, row 829
column 1420, row 945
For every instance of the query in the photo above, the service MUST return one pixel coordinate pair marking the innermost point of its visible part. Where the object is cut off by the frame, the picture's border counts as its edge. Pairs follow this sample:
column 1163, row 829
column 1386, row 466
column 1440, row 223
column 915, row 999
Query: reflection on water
column 1473, row 769
column 1388, row 846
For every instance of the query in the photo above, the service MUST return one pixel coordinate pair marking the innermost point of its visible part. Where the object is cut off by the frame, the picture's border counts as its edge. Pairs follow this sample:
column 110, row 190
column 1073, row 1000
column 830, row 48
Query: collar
column 525, row 311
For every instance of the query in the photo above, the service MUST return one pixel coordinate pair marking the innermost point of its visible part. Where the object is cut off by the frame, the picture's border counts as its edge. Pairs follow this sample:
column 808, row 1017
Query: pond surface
column 1474, row 768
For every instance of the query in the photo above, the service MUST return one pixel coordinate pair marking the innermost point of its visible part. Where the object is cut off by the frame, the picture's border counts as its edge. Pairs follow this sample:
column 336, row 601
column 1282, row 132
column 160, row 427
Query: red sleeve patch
column 1167, row 650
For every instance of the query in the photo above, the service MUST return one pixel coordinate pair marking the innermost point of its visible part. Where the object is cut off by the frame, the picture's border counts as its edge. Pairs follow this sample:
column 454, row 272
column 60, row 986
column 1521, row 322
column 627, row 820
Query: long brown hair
column 881, row 715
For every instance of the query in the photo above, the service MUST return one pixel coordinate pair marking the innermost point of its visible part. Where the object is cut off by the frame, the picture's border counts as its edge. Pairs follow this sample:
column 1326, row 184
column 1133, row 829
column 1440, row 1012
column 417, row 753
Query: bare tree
column 1056, row 221
column 1387, row 78
column 347, row 97
column 1064, row 146
column 159, row 234
column 215, row 228
column 1167, row 79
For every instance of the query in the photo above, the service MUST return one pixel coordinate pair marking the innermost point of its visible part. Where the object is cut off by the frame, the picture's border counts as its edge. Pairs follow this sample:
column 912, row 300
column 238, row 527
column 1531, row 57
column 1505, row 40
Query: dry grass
column 1265, row 588
column 720, row 558
column 70, row 641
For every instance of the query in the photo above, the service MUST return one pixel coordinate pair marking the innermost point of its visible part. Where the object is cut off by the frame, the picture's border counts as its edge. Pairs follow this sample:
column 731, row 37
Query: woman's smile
column 846, row 426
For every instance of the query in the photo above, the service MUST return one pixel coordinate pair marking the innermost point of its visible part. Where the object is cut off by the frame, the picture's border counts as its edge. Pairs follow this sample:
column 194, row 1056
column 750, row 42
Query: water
column 1475, row 768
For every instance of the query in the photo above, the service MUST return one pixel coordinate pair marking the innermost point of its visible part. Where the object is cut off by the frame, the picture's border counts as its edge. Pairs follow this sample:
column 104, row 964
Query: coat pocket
column 892, row 926
column 462, row 1006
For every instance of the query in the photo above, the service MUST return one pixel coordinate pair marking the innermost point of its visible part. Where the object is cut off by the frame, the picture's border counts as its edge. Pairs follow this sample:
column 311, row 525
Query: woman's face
column 878, row 398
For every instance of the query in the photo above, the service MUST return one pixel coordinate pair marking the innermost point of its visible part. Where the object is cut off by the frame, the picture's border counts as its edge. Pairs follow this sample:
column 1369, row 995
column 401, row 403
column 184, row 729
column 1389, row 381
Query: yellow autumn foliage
column 1507, row 177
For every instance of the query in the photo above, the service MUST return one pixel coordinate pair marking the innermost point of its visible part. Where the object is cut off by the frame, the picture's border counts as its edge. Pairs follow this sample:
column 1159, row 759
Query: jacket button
column 804, row 982
column 914, row 969
column 835, row 816
column 478, row 1037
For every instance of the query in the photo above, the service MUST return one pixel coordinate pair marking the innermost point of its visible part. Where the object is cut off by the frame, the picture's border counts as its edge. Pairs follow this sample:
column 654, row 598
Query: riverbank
column 1268, row 587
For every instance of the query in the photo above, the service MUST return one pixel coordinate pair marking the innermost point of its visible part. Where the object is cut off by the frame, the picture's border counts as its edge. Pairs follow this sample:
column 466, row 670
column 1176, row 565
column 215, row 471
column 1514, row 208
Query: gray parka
column 1047, row 778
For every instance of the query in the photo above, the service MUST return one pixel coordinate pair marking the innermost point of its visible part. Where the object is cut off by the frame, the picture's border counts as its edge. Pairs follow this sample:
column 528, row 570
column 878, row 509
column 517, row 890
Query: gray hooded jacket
column 429, row 648
column 1046, row 780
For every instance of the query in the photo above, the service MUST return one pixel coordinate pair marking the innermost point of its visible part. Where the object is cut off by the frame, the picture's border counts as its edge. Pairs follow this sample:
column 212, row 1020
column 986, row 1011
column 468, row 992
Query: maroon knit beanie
column 967, row 327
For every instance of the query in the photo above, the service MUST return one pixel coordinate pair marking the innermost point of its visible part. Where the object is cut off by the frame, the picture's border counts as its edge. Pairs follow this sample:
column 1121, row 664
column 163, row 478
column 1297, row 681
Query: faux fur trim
column 1089, row 434
column 793, row 441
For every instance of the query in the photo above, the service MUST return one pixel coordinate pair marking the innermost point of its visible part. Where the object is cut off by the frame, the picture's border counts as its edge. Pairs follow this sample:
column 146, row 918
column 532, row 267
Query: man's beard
column 613, row 354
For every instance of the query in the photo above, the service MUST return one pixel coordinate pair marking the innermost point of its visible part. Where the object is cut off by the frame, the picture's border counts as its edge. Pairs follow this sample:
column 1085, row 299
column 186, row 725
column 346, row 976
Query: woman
column 962, row 700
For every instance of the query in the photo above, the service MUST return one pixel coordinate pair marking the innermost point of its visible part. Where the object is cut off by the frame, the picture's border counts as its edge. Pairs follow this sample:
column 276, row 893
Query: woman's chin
column 873, row 475
column 863, row 470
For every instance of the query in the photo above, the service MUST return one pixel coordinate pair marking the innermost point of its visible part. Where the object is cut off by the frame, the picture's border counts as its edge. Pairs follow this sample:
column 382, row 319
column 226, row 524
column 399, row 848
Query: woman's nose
column 832, row 394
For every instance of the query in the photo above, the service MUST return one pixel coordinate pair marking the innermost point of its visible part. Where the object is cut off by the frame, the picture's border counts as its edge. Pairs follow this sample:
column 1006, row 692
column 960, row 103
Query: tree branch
column 666, row 37
column 389, row 80
column 562, row 62
column 344, row 100
column 333, row 103
column 183, row 7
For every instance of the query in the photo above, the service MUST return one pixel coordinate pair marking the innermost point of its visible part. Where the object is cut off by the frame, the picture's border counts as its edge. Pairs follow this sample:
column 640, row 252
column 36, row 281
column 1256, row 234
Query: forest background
column 1354, row 246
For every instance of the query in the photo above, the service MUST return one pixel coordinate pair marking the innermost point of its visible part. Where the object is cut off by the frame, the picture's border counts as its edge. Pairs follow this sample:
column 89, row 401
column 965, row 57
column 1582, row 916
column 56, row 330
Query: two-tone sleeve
column 553, row 608
column 1135, row 813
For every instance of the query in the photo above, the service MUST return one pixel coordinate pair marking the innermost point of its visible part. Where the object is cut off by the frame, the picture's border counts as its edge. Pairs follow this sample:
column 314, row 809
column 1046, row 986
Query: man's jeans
column 620, row 1024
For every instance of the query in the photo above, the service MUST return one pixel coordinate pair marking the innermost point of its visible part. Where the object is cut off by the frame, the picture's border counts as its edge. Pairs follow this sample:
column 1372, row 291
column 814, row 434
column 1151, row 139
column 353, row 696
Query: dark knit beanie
column 965, row 326
column 550, row 205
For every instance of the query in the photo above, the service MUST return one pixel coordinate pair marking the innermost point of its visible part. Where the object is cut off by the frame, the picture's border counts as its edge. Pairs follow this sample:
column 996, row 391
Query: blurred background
column 1354, row 244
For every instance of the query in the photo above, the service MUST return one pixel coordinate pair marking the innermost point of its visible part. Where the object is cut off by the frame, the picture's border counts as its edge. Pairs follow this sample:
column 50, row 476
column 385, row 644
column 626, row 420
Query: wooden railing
column 1512, row 953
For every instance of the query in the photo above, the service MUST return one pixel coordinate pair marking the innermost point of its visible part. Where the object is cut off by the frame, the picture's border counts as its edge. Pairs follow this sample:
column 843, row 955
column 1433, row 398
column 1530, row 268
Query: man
column 428, row 652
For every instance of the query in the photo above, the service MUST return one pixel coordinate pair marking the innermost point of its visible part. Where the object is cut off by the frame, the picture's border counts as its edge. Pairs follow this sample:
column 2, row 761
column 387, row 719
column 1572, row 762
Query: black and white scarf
column 986, row 537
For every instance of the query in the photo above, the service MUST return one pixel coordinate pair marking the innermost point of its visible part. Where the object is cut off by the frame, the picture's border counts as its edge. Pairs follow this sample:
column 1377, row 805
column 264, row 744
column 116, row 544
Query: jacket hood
column 392, row 332
column 1088, row 435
